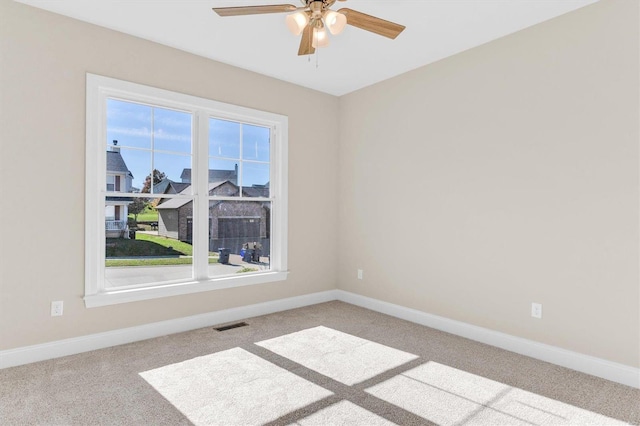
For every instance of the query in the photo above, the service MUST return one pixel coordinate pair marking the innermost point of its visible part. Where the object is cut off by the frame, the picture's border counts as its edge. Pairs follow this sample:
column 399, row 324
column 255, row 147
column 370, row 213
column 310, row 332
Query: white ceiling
column 355, row 59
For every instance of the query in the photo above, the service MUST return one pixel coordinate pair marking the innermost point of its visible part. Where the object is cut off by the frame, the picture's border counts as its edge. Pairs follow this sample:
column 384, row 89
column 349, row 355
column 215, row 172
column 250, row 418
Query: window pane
column 171, row 130
column 243, row 230
column 127, row 168
column 224, row 138
column 111, row 182
column 221, row 171
column 255, row 175
column 171, row 169
column 109, row 213
column 143, row 156
column 129, row 124
column 255, row 143
column 144, row 244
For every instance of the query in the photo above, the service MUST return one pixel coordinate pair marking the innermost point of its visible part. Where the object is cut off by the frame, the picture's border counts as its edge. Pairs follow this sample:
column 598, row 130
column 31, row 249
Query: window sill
column 125, row 295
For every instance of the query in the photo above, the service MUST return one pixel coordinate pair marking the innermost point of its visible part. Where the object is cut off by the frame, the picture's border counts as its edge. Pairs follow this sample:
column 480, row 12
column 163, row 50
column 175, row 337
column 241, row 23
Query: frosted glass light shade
column 320, row 38
column 335, row 21
column 296, row 22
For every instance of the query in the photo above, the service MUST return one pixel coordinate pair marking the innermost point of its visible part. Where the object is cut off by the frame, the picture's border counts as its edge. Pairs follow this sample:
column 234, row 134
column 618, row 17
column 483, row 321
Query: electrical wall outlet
column 360, row 273
column 536, row 310
column 57, row 308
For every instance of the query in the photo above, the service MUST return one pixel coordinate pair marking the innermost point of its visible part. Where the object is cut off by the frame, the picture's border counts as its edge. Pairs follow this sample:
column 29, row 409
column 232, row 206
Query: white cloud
column 146, row 133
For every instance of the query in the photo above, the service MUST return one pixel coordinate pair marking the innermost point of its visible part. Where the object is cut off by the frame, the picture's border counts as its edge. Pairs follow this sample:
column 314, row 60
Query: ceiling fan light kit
column 320, row 38
column 296, row 22
column 335, row 21
column 314, row 18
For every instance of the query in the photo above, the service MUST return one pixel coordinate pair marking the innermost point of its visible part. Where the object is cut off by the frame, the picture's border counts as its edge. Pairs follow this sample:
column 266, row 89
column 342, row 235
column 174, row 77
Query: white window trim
column 99, row 88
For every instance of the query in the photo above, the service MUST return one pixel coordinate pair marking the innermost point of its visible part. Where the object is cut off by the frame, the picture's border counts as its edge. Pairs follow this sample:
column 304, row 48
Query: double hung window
column 183, row 194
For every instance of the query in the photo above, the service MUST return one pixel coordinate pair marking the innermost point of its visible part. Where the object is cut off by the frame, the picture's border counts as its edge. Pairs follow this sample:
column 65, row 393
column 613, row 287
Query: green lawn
column 120, row 247
column 150, row 250
column 154, row 261
column 184, row 248
column 149, row 214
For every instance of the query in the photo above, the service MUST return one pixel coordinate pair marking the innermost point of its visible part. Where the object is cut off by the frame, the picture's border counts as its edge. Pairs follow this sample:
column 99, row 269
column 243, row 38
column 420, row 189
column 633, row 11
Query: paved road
column 132, row 275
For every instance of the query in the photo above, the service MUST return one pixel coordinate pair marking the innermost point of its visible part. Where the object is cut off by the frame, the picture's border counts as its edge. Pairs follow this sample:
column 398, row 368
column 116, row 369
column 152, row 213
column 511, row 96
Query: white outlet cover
column 57, row 308
column 536, row 310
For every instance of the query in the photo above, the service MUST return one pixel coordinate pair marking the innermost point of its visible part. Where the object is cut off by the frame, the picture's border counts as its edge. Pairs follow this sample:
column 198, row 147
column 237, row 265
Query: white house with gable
column 119, row 179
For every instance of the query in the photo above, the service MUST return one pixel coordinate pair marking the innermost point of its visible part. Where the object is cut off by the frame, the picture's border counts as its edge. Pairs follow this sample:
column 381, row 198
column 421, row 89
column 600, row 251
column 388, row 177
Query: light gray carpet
column 233, row 387
column 326, row 364
column 345, row 358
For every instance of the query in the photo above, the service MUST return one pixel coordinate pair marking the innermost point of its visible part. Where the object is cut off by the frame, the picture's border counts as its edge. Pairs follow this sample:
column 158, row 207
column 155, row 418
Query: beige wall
column 468, row 188
column 44, row 58
column 501, row 176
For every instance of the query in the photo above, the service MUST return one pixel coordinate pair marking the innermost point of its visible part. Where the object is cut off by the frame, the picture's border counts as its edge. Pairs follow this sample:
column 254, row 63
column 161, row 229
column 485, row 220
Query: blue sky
column 138, row 128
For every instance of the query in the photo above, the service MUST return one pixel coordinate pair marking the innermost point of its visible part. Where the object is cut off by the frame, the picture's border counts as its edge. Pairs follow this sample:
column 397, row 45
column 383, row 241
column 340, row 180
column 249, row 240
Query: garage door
column 239, row 227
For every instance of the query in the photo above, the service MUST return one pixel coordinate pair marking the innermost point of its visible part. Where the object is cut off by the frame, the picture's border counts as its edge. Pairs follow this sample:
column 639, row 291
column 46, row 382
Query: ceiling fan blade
column 371, row 23
column 254, row 10
column 305, row 43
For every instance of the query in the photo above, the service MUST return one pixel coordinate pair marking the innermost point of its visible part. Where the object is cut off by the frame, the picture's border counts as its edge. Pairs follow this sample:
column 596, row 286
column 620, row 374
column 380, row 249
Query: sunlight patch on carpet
column 343, row 357
column 343, row 413
column 448, row 396
column 233, row 387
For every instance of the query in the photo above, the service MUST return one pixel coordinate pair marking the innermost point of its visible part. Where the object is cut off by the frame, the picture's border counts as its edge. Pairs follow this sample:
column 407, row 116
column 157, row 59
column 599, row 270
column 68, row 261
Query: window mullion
column 201, row 196
column 240, row 166
column 278, row 192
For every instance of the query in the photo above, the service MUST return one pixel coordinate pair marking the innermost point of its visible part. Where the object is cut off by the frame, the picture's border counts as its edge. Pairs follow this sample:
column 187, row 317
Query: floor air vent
column 231, row 326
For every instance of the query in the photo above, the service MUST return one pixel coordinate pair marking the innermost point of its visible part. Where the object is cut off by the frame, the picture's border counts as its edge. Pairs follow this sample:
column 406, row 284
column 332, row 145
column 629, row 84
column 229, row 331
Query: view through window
column 146, row 147
column 187, row 191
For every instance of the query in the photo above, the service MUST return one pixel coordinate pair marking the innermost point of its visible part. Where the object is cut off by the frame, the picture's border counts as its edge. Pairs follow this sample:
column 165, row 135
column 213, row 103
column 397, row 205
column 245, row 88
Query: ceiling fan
column 314, row 18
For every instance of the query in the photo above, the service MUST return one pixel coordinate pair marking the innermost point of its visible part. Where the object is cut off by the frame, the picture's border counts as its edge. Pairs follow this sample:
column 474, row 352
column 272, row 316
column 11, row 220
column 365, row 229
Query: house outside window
column 184, row 194
column 119, row 179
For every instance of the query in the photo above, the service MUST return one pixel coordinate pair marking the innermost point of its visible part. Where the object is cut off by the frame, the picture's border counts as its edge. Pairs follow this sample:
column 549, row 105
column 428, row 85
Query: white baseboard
column 615, row 372
column 60, row 348
column 576, row 361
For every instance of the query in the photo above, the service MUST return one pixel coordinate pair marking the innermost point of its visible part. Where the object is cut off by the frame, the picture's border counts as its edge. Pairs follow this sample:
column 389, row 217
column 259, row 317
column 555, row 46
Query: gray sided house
column 167, row 186
column 231, row 223
column 119, row 179
column 214, row 175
